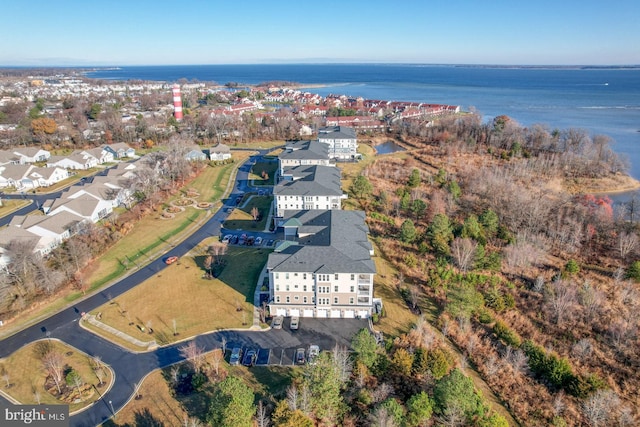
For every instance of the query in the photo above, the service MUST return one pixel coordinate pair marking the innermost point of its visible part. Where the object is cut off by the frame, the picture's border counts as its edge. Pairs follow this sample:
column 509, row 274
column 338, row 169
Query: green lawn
column 241, row 219
column 27, row 375
column 198, row 305
column 256, row 173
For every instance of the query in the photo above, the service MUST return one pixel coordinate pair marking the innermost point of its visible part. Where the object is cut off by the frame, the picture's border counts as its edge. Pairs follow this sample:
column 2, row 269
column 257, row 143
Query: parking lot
column 277, row 347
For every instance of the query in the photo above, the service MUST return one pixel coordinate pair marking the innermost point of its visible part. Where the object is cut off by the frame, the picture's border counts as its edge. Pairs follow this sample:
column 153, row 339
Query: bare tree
column 217, row 356
column 538, row 285
column 582, row 349
column 452, row 416
column 627, row 243
column 591, row 299
column 100, row 375
column 560, row 301
column 381, row 417
column 342, row 363
column 192, row 422
column 194, row 354
column 463, row 251
column 598, row 409
column 292, row 397
column 262, row 418
column 53, row 362
column 6, row 377
column 381, row 392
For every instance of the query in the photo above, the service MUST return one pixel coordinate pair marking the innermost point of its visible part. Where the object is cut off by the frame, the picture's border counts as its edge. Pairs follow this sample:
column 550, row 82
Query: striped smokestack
column 177, row 102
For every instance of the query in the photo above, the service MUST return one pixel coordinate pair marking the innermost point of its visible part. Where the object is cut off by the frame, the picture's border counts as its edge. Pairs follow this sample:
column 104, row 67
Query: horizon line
column 434, row 64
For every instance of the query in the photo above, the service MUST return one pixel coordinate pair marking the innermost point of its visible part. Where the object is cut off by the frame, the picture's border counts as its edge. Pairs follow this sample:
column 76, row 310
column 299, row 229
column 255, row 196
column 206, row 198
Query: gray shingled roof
column 336, row 132
column 338, row 244
column 305, row 150
column 312, row 180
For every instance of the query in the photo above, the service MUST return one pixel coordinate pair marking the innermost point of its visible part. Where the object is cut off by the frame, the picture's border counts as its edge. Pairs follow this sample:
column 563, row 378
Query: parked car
column 236, row 355
column 258, row 241
column 295, row 323
column 171, row 260
column 227, row 238
column 300, row 358
column 270, row 242
column 250, row 240
column 276, row 323
column 234, row 239
column 250, row 358
column 314, row 352
column 238, row 200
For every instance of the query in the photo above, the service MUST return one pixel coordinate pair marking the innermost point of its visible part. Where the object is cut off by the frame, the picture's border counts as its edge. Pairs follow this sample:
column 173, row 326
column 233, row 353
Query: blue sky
column 141, row 32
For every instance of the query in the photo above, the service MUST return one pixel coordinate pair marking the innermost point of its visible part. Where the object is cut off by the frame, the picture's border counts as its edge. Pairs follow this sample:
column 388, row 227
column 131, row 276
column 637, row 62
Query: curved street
column 130, row 368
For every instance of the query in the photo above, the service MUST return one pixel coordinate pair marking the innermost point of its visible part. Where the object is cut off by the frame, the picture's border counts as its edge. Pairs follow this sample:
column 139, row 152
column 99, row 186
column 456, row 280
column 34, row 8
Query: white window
column 304, row 299
column 288, row 288
column 353, row 276
column 351, row 300
column 335, row 300
column 352, row 288
column 286, row 276
column 277, row 298
column 288, row 299
column 296, row 298
column 335, row 288
column 277, row 276
column 277, row 287
column 304, row 276
column 336, row 276
column 304, row 288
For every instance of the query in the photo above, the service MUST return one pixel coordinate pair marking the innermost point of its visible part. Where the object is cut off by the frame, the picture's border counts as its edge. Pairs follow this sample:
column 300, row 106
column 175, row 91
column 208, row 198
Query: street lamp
column 112, row 411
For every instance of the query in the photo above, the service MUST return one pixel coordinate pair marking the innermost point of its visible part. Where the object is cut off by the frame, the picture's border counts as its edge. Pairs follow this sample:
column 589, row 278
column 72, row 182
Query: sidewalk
column 256, row 299
column 147, row 345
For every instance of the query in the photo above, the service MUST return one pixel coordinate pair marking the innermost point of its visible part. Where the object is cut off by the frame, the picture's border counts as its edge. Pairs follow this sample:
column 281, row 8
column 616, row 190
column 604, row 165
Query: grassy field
column 27, row 375
column 150, row 237
column 256, row 173
column 241, row 219
column 197, row 304
column 153, row 235
column 11, row 205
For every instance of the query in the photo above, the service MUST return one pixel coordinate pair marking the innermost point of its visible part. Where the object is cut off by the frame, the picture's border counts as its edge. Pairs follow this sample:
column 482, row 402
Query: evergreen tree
column 414, row 179
column 366, row 347
column 490, row 222
column 408, row 231
column 419, row 409
column 232, row 404
column 323, row 380
column 361, row 187
column 456, row 390
column 440, row 234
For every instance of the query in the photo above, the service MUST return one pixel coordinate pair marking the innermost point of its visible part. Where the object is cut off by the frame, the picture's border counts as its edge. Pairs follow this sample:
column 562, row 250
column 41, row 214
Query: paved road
column 277, row 345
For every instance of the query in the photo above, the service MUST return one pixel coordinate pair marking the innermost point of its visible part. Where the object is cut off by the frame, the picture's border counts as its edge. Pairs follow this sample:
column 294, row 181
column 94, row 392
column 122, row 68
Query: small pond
column 388, row 148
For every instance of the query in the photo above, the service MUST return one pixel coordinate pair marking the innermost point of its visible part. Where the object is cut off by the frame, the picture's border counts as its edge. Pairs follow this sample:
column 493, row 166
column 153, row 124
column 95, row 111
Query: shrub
column 571, row 267
column 504, row 333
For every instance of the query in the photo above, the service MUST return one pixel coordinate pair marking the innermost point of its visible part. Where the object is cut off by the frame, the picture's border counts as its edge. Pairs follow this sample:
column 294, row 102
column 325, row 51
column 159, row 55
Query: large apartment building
column 303, row 153
column 323, row 268
column 308, row 187
column 341, row 140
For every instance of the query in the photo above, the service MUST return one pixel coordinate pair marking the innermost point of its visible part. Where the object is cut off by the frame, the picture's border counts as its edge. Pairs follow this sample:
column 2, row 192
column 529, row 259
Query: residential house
column 308, row 187
column 28, row 177
column 100, row 190
column 120, row 150
column 74, row 161
column 31, row 154
column 324, row 267
column 220, row 152
column 194, row 153
column 303, row 153
column 85, row 206
column 101, row 154
column 342, row 142
column 52, row 229
column 11, row 234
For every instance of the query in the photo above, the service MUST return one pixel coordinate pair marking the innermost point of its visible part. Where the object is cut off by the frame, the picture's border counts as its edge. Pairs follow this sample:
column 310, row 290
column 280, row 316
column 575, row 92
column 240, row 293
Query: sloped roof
column 314, row 180
column 335, row 241
column 305, row 150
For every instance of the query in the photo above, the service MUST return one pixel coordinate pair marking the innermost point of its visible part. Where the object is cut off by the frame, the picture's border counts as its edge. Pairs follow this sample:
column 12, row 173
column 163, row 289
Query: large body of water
column 603, row 101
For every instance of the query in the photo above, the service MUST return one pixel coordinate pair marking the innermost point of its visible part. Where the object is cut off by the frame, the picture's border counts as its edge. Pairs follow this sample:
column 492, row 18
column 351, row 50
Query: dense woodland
column 535, row 285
